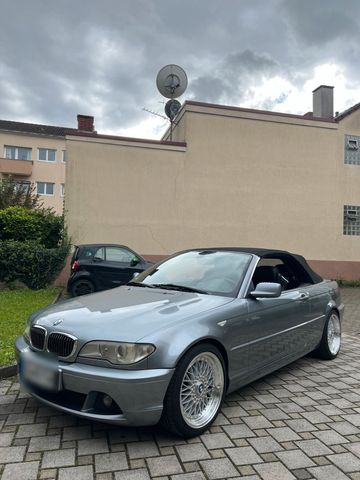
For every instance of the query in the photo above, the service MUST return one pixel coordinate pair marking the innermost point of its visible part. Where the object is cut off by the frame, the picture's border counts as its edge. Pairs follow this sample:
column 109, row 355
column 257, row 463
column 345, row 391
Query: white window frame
column 62, row 189
column 17, row 153
column 47, row 155
column 45, row 189
column 63, row 156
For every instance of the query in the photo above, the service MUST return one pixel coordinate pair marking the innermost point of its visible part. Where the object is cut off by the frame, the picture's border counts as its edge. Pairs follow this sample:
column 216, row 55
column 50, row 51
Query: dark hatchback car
column 96, row 267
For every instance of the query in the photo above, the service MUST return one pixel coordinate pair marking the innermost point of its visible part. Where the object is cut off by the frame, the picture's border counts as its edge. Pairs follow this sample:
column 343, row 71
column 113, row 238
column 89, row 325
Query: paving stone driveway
column 303, row 422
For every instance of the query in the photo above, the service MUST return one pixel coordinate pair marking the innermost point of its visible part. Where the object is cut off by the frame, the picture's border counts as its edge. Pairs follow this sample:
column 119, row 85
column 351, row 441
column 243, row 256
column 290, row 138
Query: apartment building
column 33, row 153
column 231, row 177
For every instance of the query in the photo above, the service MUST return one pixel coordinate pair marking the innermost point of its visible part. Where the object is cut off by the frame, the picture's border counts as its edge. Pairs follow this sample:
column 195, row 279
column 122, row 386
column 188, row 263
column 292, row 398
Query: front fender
column 171, row 343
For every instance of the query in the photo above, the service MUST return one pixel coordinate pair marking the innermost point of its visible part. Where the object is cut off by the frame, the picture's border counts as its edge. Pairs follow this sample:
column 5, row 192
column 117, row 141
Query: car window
column 216, row 272
column 86, row 253
column 114, row 254
column 100, row 253
column 278, row 270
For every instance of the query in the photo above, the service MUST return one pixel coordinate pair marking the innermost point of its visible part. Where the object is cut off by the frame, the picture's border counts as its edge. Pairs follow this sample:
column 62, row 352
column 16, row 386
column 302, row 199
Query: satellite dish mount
column 171, row 82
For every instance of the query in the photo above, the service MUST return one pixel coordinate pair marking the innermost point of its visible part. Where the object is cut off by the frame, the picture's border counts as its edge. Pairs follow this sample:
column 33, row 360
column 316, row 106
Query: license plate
column 41, row 375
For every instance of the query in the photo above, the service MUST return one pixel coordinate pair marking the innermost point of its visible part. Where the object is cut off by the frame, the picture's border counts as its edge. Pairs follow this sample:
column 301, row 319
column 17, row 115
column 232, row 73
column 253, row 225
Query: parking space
column 302, row 422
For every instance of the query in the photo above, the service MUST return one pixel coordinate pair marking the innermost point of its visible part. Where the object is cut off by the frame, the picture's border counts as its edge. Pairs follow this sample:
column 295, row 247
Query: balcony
column 16, row 167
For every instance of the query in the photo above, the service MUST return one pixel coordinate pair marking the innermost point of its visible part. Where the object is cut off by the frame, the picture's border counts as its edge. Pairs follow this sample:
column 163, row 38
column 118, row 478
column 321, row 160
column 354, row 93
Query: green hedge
column 30, row 262
column 22, row 224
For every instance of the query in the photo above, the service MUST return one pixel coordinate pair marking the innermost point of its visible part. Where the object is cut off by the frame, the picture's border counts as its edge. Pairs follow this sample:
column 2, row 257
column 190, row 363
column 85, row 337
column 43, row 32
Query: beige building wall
column 245, row 178
column 35, row 170
column 124, row 192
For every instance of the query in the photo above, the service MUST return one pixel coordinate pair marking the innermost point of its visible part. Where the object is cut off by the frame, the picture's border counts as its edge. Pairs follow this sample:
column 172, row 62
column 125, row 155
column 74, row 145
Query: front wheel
column 331, row 339
column 195, row 392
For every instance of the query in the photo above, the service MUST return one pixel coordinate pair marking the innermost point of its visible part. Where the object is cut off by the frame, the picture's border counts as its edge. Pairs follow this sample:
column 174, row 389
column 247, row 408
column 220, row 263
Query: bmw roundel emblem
column 57, row 322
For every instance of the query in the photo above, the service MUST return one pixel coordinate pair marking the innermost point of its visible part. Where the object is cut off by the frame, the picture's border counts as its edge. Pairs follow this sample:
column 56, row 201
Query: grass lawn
column 15, row 307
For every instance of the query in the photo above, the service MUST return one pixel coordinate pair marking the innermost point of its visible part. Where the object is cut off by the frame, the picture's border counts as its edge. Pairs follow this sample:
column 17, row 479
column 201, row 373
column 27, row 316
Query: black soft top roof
column 272, row 253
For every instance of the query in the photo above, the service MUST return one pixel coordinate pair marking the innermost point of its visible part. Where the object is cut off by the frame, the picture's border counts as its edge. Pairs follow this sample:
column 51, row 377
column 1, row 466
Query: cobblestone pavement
column 302, row 422
column 351, row 299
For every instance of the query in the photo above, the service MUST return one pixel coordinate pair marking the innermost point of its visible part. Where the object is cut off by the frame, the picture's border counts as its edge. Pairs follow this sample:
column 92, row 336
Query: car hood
column 124, row 313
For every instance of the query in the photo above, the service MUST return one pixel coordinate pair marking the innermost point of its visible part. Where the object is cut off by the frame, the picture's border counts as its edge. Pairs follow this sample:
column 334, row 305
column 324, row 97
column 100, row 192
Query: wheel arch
column 216, row 343
column 332, row 307
column 86, row 276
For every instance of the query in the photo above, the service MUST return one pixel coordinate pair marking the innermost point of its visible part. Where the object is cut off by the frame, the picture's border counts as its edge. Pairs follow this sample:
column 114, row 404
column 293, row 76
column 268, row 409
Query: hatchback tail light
column 75, row 265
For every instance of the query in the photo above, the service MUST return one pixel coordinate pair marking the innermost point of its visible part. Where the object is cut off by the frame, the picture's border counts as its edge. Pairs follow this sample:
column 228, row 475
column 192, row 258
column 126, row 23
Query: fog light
column 107, row 401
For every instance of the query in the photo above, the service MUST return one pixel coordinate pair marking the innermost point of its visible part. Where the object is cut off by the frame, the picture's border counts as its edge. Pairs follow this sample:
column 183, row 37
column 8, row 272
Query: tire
column 195, row 392
column 330, row 343
column 83, row 286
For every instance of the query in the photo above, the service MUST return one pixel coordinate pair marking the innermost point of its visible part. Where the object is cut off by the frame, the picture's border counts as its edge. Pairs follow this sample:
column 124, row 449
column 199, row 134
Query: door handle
column 303, row 297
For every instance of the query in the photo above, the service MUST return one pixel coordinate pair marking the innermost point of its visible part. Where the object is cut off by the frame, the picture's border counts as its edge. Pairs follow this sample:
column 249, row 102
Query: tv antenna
column 171, row 82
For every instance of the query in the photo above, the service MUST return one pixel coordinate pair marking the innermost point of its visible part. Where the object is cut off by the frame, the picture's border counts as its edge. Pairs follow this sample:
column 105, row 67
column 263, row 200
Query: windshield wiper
column 139, row 284
column 182, row 288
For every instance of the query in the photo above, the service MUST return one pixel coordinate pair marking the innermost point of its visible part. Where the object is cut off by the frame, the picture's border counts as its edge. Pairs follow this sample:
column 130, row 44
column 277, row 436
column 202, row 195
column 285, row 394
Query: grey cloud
column 323, row 31
column 318, row 22
column 60, row 58
column 229, row 81
column 209, row 89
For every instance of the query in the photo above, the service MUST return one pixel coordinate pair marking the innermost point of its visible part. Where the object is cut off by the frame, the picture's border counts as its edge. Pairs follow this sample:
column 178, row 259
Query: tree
column 15, row 193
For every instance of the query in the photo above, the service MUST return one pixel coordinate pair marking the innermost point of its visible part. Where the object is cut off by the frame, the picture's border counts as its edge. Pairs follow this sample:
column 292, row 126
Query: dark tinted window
column 88, row 253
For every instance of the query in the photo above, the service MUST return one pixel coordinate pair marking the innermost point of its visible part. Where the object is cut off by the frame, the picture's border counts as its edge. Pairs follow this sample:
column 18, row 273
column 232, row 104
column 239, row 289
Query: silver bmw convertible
column 170, row 344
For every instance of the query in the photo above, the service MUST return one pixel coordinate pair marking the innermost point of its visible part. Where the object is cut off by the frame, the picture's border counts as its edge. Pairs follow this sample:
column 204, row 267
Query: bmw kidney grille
column 59, row 343
column 37, row 337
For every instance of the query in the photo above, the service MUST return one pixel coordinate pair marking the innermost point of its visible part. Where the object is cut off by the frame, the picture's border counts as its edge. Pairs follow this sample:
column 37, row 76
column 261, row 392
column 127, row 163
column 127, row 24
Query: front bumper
column 138, row 394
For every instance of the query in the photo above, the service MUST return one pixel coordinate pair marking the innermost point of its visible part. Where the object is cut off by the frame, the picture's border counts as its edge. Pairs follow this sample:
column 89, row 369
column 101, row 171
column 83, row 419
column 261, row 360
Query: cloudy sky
column 59, row 58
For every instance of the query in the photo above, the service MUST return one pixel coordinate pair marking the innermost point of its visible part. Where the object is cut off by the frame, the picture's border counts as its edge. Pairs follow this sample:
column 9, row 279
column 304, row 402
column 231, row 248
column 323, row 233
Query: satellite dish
column 171, row 108
column 171, row 81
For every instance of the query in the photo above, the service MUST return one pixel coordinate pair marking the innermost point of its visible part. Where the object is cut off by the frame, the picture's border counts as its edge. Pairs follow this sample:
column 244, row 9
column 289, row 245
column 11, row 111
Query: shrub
column 22, row 224
column 30, row 262
column 13, row 192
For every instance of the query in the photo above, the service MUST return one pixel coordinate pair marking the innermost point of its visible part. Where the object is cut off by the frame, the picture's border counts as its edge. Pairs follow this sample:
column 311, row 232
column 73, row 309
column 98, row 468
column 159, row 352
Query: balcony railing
column 16, row 167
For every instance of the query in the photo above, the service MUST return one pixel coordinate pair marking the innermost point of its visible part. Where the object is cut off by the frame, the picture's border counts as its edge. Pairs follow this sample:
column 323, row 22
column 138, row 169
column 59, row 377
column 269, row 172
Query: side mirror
column 97, row 259
column 266, row 290
column 134, row 261
column 135, row 275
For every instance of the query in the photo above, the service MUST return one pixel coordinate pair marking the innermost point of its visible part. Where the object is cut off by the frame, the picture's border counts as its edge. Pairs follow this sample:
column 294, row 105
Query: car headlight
column 117, row 353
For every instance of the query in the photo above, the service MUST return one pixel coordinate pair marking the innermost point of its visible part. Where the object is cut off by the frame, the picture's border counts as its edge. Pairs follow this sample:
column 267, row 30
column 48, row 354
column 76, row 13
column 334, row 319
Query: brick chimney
column 323, row 102
column 85, row 123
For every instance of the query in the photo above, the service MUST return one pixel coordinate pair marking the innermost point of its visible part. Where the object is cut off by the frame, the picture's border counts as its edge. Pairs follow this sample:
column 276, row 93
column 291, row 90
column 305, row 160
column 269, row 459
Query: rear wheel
column 195, row 392
column 83, row 286
column 331, row 339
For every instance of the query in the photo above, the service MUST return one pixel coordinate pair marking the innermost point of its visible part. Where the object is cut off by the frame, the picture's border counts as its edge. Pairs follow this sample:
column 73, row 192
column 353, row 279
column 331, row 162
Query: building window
column 17, row 153
column 46, row 155
column 63, row 156
column 22, row 185
column 352, row 150
column 44, row 188
column 351, row 220
column 62, row 189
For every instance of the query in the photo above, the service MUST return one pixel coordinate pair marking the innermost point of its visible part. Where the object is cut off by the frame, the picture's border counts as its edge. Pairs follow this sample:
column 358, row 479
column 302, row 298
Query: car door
column 119, row 266
column 319, row 301
column 97, row 268
column 274, row 328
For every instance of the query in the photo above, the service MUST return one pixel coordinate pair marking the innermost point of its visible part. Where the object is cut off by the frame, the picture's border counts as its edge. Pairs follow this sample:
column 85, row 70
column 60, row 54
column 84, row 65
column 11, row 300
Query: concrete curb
column 8, row 371
column 58, row 296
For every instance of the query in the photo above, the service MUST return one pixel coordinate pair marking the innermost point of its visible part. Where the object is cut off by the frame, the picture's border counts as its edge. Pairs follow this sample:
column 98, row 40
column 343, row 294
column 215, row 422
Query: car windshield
column 209, row 271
